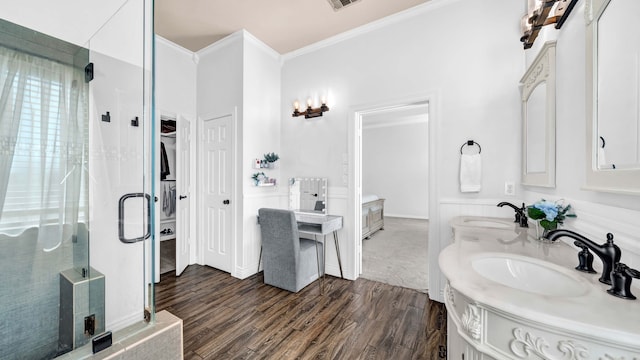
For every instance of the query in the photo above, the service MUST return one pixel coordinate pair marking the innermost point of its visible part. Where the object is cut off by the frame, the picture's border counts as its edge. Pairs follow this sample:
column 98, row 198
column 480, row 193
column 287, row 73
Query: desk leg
column 324, row 259
column 320, row 281
column 335, row 241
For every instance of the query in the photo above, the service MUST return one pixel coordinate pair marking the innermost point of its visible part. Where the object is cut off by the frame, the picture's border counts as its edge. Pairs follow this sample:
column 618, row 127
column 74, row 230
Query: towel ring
column 471, row 143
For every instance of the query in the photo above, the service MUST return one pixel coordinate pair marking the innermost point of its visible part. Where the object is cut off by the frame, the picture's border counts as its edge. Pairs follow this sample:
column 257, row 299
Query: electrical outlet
column 509, row 188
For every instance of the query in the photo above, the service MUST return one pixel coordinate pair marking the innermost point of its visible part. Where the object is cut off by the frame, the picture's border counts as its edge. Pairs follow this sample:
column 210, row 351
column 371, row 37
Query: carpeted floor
column 397, row 255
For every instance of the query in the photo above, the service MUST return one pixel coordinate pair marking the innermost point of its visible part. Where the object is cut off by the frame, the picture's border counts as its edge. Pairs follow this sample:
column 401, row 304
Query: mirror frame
column 625, row 181
column 542, row 69
column 324, row 186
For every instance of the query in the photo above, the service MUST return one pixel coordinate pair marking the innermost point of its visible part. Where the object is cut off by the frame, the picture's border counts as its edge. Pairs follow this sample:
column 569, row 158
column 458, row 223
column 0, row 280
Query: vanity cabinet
column 565, row 315
column 476, row 331
column 459, row 349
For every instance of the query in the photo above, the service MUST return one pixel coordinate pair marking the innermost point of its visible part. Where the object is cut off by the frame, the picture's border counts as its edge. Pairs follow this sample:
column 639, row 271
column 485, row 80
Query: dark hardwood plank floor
column 227, row 318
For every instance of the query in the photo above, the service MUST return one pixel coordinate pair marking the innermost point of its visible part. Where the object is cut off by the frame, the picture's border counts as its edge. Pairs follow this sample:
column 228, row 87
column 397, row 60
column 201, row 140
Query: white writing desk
column 316, row 223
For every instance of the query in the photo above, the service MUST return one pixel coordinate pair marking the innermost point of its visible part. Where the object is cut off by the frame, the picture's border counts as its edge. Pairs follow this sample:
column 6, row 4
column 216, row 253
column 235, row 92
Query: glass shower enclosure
column 75, row 173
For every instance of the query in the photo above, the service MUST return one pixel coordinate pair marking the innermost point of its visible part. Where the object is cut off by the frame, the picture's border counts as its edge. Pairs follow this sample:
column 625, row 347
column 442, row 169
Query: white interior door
column 183, row 184
column 216, row 178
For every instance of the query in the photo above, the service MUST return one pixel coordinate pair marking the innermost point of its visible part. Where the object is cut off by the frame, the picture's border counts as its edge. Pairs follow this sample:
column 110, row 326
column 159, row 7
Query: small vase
column 545, row 231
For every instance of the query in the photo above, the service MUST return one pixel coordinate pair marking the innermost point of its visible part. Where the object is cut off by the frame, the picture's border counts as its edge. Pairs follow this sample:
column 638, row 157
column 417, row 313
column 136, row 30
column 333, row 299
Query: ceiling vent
column 339, row 4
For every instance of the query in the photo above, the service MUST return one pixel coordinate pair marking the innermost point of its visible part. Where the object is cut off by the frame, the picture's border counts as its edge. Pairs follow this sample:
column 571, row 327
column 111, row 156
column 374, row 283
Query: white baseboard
column 386, row 215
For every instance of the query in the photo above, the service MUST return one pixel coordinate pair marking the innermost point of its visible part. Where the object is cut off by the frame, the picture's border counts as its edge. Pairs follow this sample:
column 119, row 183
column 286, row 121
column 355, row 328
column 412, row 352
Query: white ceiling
column 284, row 25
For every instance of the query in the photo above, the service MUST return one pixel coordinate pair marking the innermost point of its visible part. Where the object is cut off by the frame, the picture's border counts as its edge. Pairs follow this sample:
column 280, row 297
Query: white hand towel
column 602, row 159
column 470, row 173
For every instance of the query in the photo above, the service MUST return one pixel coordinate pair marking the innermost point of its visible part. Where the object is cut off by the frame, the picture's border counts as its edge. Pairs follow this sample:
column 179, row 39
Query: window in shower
column 43, row 193
column 44, row 140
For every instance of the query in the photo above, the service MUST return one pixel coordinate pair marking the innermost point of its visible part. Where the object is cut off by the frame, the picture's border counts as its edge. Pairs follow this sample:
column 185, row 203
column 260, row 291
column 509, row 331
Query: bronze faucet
column 608, row 252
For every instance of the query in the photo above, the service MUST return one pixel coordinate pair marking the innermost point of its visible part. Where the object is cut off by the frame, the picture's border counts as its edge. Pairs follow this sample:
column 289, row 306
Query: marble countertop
column 593, row 313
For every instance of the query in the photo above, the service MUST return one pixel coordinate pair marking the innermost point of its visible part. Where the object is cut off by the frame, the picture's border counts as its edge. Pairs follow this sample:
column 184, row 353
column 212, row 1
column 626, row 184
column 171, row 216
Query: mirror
column 308, row 195
column 613, row 106
column 618, row 81
column 538, row 89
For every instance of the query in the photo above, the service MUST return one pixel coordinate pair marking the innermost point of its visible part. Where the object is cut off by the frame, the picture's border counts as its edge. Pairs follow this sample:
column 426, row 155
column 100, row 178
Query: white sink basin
column 486, row 223
column 529, row 275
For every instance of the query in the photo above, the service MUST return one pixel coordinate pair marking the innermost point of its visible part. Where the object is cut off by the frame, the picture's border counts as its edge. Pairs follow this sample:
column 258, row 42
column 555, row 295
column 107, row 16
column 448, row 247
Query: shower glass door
column 120, row 157
column 75, row 174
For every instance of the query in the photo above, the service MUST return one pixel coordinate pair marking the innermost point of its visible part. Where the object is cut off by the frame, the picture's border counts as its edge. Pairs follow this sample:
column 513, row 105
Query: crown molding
column 372, row 26
column 171, row 44
column 243, row 35
column 227, row 40
column 261, row 45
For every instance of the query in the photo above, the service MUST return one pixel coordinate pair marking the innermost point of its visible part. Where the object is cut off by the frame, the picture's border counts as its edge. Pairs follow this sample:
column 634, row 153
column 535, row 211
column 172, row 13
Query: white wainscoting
column 448, row 209
column 338, row 205
column 248, row 248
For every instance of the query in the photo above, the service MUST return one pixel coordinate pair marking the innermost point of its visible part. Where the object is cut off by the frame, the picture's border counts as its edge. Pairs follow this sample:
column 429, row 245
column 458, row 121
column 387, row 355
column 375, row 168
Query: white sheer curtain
column 43, row 135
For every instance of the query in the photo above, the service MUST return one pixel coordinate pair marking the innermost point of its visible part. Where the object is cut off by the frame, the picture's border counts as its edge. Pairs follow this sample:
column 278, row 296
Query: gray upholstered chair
column 289, row 262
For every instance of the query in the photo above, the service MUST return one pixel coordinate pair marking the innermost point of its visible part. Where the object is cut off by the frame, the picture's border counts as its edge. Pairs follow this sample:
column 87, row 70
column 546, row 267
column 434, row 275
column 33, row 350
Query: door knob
column 183, row 197
column 226, row 202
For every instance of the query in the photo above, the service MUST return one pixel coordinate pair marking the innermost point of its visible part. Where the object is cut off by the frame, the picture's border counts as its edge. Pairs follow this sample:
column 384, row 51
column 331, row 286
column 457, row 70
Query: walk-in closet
column 167, row 194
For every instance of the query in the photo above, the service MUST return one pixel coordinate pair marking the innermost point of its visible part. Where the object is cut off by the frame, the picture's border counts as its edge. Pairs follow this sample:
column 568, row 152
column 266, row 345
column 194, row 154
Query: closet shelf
column 167, row 237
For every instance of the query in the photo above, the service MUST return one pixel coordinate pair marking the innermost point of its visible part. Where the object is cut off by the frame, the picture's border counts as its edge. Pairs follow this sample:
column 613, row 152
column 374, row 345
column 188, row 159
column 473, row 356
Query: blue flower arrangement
column 549, row 214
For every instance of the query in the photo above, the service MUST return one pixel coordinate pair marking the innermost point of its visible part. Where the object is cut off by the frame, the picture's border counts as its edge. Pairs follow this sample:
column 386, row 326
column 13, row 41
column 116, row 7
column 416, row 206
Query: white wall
column 395, row 161
column 570, row 117
column 448, row 48
column 475, row 74
column 261, row 135
column 176, row 70
column 598, row 212
column 175, row 78
column 242, row 74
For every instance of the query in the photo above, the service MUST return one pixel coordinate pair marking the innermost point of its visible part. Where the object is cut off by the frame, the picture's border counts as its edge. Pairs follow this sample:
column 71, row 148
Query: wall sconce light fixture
column 542, row 13
column 310, row 112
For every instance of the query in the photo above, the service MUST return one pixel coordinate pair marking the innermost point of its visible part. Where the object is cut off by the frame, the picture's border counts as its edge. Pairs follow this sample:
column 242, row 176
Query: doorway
column 167, row 193
column 174, row 190
column 355, row 214
column 216, row 189
column 395, row 167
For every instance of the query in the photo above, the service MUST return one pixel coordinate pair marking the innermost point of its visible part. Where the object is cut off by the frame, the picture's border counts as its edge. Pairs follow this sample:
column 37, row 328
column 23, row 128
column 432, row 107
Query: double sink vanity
column 510, row 295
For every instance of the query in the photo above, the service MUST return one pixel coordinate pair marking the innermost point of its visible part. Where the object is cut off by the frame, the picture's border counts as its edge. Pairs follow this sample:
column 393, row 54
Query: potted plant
column 271, row 158
column 258, row 178
column 549, row 214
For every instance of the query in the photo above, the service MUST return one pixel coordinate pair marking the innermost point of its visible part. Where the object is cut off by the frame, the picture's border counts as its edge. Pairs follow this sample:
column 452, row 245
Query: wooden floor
column 227, row 318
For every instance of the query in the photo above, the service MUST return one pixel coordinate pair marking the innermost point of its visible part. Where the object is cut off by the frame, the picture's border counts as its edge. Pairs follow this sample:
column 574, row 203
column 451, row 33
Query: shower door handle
column 121, row 217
